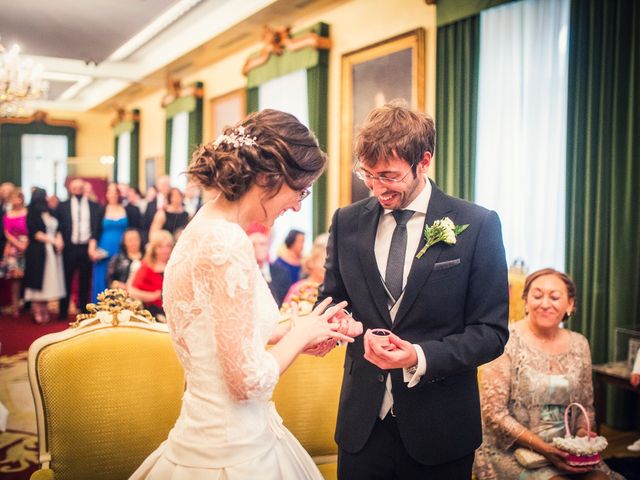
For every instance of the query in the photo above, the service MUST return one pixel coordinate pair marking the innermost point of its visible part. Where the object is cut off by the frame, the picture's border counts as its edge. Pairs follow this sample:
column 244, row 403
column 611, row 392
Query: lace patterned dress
column 526, row 388
column 221, row 314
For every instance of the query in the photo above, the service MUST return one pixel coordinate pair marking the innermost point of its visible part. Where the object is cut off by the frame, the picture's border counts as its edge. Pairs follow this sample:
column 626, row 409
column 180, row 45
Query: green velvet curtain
column 316, row 62
column 167, row 144
column 317, row 94
column 11, row 146
column 133, row 127
column 458, row 60
column 253, row 99
column 193, row 105
column 603, row 172
column 450, row 11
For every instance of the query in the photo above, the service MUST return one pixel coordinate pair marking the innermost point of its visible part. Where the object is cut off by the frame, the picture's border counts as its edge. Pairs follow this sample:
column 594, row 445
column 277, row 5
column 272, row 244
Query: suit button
column 381, row 378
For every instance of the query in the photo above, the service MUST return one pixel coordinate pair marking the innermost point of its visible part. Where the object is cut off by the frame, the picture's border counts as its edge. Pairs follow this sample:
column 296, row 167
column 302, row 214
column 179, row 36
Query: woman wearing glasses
column 221, row 313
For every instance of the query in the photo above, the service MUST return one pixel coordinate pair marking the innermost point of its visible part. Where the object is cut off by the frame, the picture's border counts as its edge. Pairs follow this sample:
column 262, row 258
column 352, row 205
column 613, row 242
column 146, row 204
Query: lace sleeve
column 585, row 390
column 495, row 391
column 227, row 280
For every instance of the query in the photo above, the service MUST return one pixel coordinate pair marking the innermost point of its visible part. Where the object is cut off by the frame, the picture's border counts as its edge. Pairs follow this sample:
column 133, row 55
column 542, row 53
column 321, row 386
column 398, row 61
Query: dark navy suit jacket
column 455, row 306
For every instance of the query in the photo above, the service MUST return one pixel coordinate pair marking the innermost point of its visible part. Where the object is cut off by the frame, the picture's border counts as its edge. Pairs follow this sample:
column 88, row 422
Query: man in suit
column 78, row 223
column 277, row 276
column 163, row 187
column 411, row 410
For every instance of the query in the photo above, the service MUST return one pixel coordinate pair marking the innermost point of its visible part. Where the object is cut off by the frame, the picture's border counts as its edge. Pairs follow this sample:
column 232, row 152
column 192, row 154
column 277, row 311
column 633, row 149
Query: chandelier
column 20, row 83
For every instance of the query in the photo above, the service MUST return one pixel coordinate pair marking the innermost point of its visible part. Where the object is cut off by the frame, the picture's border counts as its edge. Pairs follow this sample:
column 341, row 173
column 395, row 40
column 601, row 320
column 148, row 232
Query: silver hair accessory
column 237, row 138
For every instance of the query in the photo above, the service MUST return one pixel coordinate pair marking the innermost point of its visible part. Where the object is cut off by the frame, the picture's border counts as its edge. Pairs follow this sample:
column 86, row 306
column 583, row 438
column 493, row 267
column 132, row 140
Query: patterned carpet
column 18, row 444
column 18, row 448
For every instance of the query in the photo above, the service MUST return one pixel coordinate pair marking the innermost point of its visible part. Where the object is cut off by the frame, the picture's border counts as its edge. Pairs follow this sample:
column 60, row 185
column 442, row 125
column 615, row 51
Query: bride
column 221, row 313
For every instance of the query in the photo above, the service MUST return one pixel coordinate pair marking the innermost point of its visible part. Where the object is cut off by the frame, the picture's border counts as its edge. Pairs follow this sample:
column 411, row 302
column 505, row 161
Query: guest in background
column 53, row 201
column 290, row 256
column 313, row 268
column 192, row 199
column 123, row 188
column 89, row 192
column 126, row 263
column 112, row 223
column 158, row 202
column 79, row 226
column 524, row 392
column 44, row 274
column 16, row 233
column 134, row 197
column 146, row 285
column 173, row 217
column 276, row 276
column 5, row 189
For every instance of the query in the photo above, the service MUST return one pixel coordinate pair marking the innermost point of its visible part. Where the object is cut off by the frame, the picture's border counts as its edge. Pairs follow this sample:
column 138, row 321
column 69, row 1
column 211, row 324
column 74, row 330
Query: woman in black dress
column 174, row 217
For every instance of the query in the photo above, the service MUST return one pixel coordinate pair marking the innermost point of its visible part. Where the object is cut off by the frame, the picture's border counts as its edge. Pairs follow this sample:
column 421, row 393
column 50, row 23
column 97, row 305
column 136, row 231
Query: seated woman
column 146, row 285
column 313, row 266
column 126, row 263
column 524, row 392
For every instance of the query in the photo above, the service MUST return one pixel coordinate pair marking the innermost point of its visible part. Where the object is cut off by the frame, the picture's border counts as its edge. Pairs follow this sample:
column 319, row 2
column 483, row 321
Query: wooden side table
column 612, row 373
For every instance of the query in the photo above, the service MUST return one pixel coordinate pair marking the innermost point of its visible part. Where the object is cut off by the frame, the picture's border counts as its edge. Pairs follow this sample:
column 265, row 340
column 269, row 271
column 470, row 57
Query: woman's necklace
column 541, row 339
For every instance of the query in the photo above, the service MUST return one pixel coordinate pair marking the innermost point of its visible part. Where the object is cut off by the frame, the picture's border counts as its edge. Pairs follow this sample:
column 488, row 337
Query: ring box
column 380, row 336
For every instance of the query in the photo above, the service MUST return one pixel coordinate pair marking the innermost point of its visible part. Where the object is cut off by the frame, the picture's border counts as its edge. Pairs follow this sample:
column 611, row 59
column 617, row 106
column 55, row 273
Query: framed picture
column 371, row 77
column 153, row 168
column 227, row 109
column 634, row 347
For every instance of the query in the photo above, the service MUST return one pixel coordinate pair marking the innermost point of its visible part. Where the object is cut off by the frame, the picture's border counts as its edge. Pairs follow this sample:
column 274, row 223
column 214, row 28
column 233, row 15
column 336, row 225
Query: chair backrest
column 307, row 399
column 106, row 396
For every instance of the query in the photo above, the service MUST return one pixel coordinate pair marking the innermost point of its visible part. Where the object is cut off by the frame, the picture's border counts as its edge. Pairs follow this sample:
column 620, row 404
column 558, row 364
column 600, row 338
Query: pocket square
column 447, row 264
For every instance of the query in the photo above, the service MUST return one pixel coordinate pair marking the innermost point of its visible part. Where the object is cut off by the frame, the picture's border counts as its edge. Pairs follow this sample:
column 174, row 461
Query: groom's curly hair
column 281, row 150
column 395, row 130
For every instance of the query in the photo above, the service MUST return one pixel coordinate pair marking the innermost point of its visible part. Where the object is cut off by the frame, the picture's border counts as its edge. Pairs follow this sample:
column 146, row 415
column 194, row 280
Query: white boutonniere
column 442, row 230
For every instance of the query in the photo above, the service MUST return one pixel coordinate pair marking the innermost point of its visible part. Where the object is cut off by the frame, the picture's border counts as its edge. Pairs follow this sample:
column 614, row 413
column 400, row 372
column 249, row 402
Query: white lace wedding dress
column 221, row 314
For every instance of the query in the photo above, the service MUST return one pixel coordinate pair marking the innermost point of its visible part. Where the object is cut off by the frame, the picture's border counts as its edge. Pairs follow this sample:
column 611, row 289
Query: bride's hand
column 316, row 326
column 348, row 325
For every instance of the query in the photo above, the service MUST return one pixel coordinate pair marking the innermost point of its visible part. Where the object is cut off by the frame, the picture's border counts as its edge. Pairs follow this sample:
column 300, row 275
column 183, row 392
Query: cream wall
column 94, row 136
column 353, row 25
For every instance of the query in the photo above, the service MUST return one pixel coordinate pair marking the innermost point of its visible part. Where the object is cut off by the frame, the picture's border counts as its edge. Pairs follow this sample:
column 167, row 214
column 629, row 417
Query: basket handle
column 566, row 419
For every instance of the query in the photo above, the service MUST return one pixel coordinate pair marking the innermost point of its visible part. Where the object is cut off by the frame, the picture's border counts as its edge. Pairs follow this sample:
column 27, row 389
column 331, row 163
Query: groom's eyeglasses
column 384, row 179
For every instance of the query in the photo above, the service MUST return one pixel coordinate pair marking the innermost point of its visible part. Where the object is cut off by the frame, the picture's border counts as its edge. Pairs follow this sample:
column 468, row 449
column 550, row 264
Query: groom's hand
column 399, row 353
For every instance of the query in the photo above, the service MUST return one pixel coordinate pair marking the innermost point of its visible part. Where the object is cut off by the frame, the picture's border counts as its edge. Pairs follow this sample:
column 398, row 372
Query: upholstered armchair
column 107, row 391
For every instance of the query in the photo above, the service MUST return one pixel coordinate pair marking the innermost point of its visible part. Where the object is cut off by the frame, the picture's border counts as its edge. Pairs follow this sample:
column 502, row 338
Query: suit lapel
column 421, row 268
column 367, row 228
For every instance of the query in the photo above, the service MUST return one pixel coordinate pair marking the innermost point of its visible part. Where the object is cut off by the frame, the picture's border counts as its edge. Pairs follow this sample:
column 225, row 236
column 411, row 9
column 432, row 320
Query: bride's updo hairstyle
column 268, row 148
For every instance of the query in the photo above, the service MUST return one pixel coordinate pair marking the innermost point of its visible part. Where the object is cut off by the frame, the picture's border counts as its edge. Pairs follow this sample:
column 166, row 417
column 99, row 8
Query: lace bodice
column 220, row 314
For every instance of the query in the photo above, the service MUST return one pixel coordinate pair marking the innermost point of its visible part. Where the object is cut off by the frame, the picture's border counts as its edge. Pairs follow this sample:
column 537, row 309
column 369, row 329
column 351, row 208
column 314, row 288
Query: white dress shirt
column 80, row 221
column 415, row 226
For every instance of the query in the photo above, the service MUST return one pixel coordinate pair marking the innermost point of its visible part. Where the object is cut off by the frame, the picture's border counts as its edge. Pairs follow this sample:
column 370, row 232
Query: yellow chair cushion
column 110, row 397
column 307, row 399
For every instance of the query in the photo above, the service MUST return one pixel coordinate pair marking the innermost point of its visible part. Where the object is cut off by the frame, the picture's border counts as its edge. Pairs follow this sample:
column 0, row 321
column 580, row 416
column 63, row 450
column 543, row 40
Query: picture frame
column 634, row 347
column 372, row 76
column 153, row 168
column 227, row 109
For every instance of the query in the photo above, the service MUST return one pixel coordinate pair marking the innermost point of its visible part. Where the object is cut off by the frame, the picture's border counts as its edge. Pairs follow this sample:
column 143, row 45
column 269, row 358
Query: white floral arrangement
column 581, row 445
column 443, row 230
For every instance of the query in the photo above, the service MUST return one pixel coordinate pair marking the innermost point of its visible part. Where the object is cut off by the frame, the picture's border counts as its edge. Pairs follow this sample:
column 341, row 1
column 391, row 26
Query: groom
column 411, row 410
